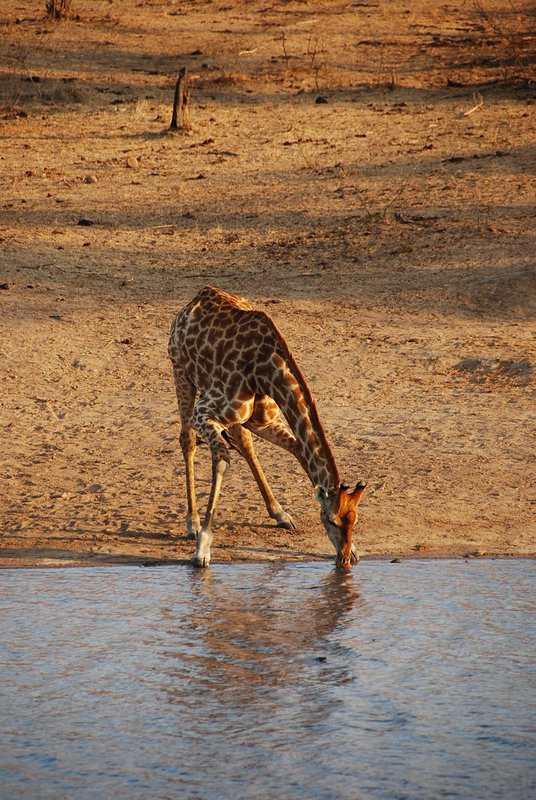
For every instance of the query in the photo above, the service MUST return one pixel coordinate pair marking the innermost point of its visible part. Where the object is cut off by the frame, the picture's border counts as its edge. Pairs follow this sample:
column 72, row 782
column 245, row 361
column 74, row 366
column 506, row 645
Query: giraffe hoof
column 193, row 526
column 200, row 561
column 285, row 521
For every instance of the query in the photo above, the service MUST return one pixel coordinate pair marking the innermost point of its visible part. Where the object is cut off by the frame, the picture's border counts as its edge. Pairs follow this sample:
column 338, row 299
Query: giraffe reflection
column 234, row 375
column 251, row 639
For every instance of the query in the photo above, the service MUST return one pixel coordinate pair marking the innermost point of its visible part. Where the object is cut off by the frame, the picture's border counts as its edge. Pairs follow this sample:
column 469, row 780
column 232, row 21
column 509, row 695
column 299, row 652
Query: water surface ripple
column 390, row 681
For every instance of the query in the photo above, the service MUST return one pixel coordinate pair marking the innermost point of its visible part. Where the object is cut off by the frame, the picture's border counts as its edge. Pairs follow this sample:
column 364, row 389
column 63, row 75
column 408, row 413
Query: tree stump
column 180, row 121
column 58, row 9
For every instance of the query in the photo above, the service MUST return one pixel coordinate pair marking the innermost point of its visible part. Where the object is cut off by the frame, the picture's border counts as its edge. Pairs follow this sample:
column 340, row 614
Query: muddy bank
column 364, row 177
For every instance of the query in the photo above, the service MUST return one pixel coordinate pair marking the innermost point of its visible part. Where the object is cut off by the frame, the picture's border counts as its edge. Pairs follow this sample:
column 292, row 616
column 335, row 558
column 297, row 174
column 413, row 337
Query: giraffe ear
column 357, row 494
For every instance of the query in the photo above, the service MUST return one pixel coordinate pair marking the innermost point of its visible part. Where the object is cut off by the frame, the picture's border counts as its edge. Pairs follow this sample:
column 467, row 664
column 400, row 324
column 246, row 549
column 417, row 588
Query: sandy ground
column 362, row 171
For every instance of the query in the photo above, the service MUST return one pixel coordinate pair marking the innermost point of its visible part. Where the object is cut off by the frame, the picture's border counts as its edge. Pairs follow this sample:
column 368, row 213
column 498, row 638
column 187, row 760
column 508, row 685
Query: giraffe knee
column 219, row 454
column 219, row 448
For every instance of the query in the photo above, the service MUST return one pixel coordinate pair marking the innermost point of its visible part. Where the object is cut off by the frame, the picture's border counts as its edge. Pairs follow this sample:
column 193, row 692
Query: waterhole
column 412, row 680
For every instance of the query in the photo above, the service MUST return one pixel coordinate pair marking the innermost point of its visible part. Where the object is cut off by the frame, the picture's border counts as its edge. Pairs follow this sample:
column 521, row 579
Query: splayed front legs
column 198, row 418
column 239, row 438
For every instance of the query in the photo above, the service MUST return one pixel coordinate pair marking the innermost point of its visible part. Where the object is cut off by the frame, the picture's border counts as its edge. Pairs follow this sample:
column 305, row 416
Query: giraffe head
column 338, row 512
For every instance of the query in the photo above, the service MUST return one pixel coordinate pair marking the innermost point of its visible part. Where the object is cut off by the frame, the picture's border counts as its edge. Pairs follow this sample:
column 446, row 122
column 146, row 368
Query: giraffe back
column 213, row 341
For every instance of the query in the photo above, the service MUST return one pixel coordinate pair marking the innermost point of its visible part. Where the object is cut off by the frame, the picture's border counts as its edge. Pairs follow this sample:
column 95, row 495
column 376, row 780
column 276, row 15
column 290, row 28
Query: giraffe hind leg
column 186, row 394
column 241, row 438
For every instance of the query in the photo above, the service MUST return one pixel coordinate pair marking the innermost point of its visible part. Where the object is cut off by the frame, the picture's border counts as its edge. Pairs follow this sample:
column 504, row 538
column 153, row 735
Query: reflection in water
column 256, row 645
column 268, row 681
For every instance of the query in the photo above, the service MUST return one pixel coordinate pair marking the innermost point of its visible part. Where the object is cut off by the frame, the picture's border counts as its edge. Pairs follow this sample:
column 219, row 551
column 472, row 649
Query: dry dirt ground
column 362, row 171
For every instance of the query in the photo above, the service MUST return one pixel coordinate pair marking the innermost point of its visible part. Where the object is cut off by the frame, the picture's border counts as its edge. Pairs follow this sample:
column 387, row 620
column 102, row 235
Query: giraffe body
column 234, row 375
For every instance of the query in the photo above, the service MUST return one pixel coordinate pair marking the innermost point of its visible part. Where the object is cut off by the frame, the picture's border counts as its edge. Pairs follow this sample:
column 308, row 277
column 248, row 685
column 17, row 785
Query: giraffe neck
column 314, row 451
column 289, row 389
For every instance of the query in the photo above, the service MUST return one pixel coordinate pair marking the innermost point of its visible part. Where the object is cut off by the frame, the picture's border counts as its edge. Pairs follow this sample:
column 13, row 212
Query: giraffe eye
column 332, row 522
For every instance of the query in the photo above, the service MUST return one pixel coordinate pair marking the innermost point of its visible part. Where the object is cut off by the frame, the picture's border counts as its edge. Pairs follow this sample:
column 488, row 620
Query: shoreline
column 134, row 561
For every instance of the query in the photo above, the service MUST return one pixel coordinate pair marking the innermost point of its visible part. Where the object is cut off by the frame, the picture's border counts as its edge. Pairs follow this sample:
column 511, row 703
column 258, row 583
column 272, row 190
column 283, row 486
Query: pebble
column 132, row 162
column 91, row 179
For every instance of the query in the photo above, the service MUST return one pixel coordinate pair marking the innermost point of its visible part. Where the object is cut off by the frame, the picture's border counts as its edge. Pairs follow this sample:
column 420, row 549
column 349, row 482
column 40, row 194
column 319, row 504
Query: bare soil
column 362, row 171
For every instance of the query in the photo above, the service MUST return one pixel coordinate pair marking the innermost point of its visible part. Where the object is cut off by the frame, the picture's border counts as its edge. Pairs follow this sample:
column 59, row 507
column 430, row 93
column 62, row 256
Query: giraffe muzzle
column 344, row 561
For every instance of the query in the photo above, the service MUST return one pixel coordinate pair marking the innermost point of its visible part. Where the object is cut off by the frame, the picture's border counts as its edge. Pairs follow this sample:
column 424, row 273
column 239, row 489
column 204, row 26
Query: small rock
column 126, row 340
column 320, row 100
column 396, row 561
column 4, row 285
column 91, row 179
column 132, row 162
column 321, row 659
column 95, row 487
column 85, row 222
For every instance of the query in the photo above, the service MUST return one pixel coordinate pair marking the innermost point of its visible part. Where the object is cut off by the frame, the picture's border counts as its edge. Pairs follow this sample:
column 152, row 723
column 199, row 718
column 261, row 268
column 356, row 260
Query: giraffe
column 235, row 375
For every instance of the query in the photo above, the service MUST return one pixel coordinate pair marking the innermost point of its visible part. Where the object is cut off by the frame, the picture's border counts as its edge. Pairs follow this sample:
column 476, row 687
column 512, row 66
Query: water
column 392, row 681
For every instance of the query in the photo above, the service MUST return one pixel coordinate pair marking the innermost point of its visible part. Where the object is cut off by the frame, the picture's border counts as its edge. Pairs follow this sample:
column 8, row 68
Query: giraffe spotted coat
column 235, row 375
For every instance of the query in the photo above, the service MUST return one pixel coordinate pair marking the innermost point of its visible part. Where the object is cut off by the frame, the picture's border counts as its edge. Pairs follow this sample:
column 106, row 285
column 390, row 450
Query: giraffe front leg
column 204, row 537
column 211, row 431
column 266, row 423
column 242, row 440
column 276, row 432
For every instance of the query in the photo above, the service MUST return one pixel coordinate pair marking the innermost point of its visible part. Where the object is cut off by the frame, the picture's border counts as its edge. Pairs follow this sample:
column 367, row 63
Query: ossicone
column 358, row 492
